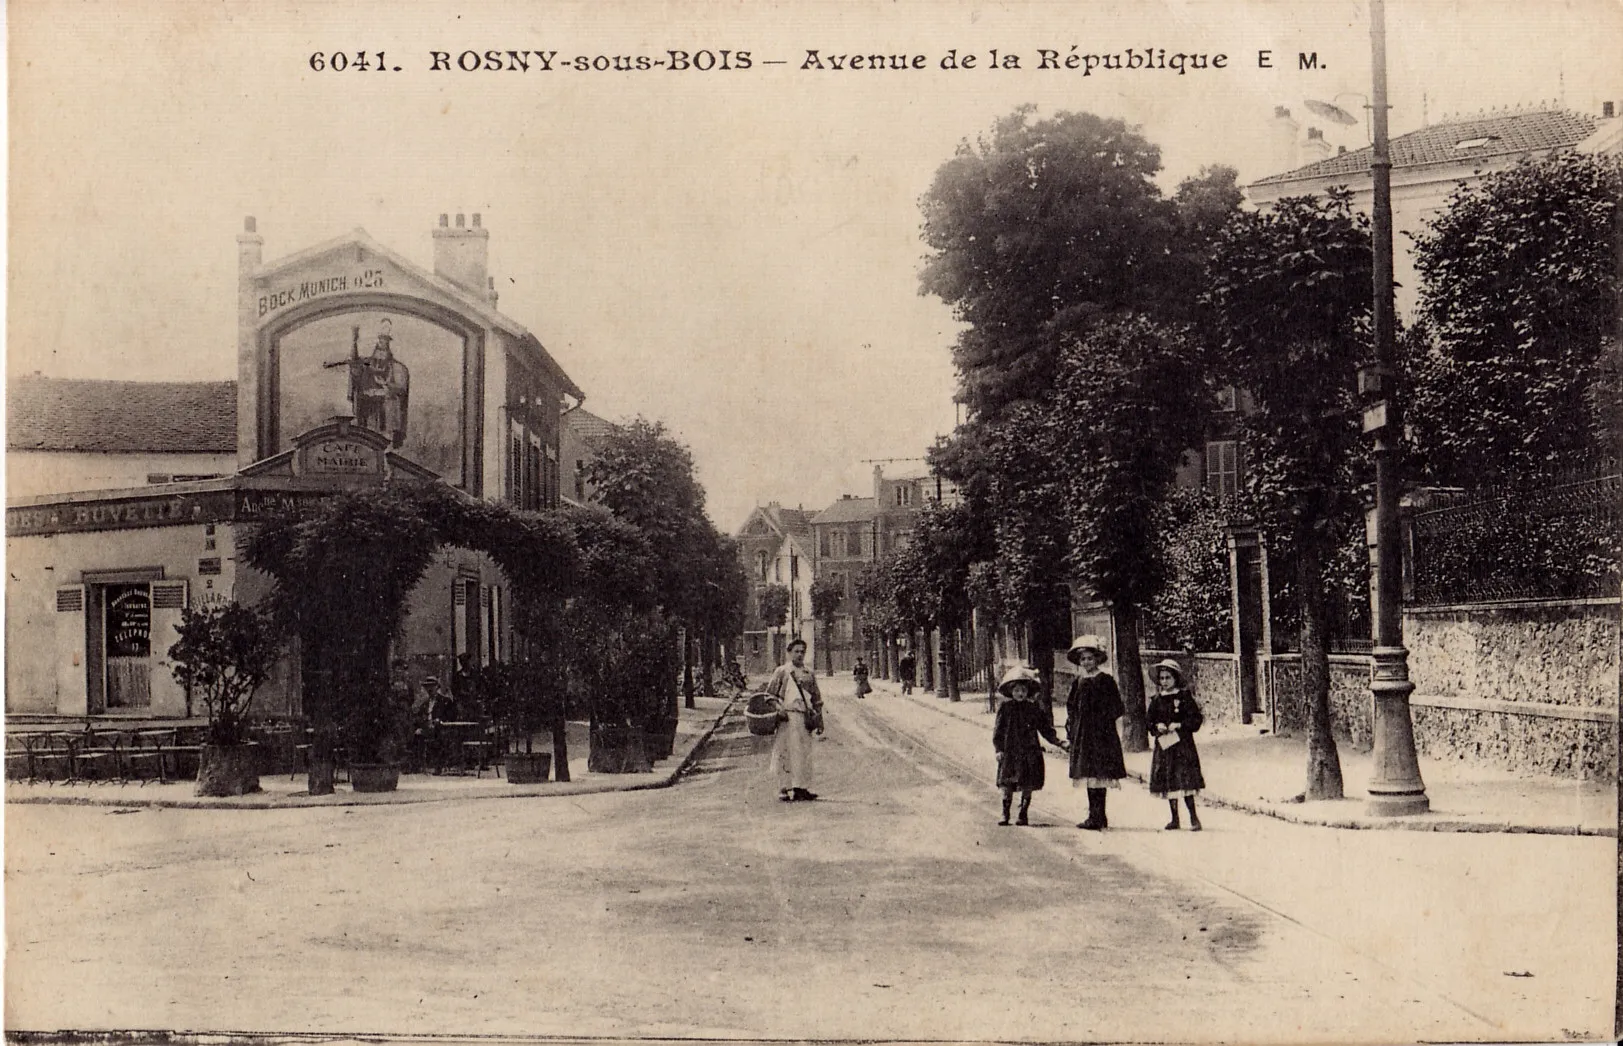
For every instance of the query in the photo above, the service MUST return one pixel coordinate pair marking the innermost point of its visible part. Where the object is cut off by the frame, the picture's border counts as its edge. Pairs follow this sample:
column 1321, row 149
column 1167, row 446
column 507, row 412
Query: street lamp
column 1395, row 789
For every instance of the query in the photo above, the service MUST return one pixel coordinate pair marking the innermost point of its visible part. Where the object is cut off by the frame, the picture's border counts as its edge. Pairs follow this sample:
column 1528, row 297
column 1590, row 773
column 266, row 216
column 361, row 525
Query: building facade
column 354, row 367
column 774, row 548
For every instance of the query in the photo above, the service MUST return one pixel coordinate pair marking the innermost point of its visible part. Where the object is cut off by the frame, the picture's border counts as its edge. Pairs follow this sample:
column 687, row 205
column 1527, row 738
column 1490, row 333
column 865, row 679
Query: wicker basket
column 763, row 714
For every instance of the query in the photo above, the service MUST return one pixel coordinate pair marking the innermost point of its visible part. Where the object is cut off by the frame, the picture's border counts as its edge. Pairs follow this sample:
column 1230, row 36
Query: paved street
column 892, row 908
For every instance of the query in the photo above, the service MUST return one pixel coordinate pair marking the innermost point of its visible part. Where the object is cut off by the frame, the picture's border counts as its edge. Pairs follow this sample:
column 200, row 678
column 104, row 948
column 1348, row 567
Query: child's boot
column 1194, row 818
column 1096, row 813
column 1173, row 825
column 1007, row 799
column 1025, row 805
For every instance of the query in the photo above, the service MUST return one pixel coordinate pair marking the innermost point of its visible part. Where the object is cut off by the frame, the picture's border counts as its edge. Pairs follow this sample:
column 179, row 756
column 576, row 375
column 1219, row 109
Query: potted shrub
column 377, row 732
column 224, row 653
column 529, row 695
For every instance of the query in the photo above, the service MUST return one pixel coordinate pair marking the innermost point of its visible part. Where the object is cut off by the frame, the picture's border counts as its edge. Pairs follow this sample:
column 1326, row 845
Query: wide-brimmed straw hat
column 1088, row 641
column 1020, row 674
column 1168, row 664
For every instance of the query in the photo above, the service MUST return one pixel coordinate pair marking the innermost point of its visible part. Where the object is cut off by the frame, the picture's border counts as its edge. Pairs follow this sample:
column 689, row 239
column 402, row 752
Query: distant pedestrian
column 1022, row 724
column 795, row 687
column 906, row 667
column 1175, row 764
column 1091, row 710
column 859, row 674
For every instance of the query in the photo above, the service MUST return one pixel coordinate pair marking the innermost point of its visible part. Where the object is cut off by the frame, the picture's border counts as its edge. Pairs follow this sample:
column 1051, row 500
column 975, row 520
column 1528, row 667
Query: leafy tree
column 1192, row 610
column 826, row 597
column 1037, row 229
column 343, row 567
column 1131, row 399
column 1519, row 290
column 774, row 606
column 1289, row 294
column 645, row 477
column 223, row 655
column 1037, row 216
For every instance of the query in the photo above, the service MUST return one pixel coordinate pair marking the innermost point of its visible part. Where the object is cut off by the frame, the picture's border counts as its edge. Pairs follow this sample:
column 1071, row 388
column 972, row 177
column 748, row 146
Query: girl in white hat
column 1175, row 764
column 1091, row 710
column 1017, row 736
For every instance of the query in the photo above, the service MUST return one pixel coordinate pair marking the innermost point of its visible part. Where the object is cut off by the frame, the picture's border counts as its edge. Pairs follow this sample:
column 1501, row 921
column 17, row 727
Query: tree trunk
column 949, row 658
column 994, row 641
column 687, row 669
column 1323, row 761
column 926, row 661
column 943, row 641
column 560, row 748
column 828, row 648
column 317, row 692
column 707, row 663
column 1135, row 735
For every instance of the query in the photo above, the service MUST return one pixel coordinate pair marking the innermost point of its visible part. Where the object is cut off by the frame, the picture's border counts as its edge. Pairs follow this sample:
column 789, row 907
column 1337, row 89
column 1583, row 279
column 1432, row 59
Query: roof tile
column 1506, row 134
column 196, row 417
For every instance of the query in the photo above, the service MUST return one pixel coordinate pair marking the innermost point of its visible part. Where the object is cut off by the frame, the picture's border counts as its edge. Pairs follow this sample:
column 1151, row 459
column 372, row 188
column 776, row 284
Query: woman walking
column 1091, row 710
column 859, row 674
column 1175, row 764
column 1017, row 737
column 795, row 687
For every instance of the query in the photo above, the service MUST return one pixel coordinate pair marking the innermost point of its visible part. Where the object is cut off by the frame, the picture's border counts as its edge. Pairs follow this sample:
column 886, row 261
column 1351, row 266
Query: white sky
column 735, row 253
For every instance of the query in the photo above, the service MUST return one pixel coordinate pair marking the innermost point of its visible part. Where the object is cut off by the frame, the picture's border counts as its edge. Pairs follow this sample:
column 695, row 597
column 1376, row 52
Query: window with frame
column 904, row 495
column 1223, row 467
column 760, row 564
column 1228, row 399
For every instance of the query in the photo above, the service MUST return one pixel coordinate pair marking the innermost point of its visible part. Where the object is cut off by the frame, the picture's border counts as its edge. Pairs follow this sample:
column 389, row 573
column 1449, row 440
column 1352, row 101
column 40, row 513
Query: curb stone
column 351, row 799
column 1410, row 824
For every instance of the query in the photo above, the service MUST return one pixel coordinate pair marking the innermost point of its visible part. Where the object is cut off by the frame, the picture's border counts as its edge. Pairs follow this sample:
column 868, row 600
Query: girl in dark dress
column 1017, row 736
column 1175, row 764
column 1091, row 710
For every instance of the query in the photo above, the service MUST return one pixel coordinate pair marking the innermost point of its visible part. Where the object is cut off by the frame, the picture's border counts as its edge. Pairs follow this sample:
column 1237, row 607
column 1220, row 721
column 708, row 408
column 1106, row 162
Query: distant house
column 579, row 432
column 774, row 545
column 1429, row 163
column 65, row 435
column 856, row 531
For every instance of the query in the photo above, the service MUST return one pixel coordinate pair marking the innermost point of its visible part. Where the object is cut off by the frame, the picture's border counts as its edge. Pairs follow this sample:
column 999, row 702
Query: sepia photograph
column 939, row 521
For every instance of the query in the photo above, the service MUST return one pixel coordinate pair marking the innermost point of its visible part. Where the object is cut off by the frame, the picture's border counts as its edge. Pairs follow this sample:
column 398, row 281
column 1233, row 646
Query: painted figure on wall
column 379, row 385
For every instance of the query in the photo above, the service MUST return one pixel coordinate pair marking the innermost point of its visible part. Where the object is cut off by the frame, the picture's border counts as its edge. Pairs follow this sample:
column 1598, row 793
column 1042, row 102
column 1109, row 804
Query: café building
column 354, row 366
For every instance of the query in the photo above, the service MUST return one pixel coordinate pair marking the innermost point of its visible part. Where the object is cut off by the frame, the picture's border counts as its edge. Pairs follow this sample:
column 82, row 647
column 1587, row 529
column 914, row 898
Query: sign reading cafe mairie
column 306, row 290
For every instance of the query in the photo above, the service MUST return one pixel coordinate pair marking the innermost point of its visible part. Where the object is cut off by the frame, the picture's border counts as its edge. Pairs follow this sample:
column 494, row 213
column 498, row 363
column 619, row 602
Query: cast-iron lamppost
column 1396, row 788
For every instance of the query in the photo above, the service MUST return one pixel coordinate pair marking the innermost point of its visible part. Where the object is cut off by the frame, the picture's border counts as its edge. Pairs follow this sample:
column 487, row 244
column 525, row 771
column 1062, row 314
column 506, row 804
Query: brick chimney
column 1314, row 147
column 462, row 255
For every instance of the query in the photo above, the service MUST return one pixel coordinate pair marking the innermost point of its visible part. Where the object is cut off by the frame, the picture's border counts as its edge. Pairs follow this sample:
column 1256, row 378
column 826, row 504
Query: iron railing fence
column 1556, row 541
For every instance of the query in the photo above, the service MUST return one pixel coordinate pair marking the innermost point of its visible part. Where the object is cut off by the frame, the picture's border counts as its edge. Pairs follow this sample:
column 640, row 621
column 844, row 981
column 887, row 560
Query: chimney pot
column 1281, row 113
column 1314, row 132
column 445, row 221
column 476, row 219
column 1607, row 110
column 461, row 221
column 249, row 225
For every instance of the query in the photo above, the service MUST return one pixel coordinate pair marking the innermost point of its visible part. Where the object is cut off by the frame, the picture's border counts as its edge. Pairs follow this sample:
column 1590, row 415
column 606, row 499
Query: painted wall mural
column 396, row 374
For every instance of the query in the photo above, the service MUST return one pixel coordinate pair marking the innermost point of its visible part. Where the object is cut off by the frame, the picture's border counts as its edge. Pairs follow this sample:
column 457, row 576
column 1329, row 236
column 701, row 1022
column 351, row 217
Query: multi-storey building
column 354, row 365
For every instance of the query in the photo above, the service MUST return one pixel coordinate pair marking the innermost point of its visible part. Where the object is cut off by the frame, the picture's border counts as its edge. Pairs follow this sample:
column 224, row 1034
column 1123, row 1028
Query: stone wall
column 1526, row 686
column 1351, row 707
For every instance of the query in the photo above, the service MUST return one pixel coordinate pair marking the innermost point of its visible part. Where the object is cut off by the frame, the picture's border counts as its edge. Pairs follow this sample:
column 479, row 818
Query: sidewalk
column 694, row 727
column 1262, row 774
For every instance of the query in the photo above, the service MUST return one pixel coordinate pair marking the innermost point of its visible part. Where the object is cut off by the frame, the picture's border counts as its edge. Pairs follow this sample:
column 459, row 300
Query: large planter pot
column 374, row 777
column 525, row 768
column 228, row 770
column 617, row 750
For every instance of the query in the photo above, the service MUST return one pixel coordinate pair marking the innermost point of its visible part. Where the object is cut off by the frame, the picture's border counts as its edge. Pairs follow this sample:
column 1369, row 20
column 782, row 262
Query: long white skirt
column 792, row 753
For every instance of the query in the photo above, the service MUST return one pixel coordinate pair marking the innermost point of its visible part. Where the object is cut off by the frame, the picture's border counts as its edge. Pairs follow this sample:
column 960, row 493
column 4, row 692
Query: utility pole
column 1396, row 789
